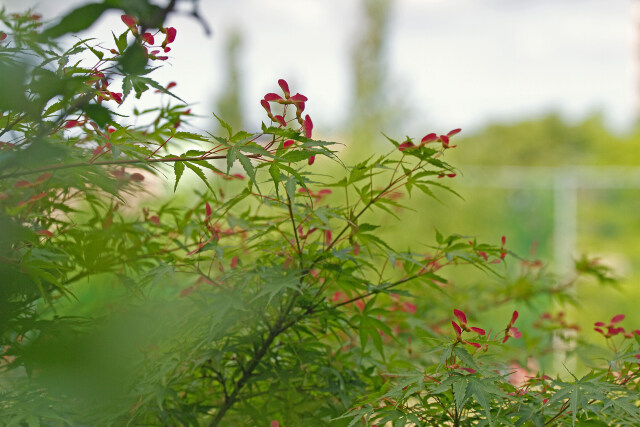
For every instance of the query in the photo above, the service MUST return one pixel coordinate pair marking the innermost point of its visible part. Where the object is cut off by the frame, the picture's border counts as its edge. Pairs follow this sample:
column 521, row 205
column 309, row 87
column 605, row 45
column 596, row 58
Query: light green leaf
column 248, row 167
column 200, row 174
column 178, row 169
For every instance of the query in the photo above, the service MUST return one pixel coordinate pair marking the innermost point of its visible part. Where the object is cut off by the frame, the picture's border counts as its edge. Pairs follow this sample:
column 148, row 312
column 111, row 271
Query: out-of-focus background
column 546, row 93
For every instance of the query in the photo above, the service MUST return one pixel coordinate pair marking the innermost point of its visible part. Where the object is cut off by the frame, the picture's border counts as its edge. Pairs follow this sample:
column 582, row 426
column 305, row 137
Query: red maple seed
column 308, row 126
column 461, row 316
column 429, row 138
column 208, row 212
column 617, row 318
column 285, row 87
column 171, row 35
column 406, row 145
column 129, row 21
column 266, row 106
column 272, row 97
column 299, row 98
column 148, row 38
column 280, row 120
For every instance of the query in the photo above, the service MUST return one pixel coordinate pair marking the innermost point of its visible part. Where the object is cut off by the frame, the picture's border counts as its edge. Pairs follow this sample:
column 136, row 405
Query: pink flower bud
column 288, row 143
column 311, row 160
column 3, row 35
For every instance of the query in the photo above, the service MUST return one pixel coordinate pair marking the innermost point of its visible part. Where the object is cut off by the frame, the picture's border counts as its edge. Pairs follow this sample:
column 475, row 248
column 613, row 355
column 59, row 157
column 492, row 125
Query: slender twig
column 117, row 162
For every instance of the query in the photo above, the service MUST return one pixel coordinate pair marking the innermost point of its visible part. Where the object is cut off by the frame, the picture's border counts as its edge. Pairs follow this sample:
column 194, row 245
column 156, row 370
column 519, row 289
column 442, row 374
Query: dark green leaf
column 77, row 20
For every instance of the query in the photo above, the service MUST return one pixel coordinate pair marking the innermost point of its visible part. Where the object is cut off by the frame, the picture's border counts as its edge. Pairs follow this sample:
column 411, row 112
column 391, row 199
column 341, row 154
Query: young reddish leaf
column 408, row 307
column 272, row 97
column 308, row 126
column 22, row 183
column 234, row 262
column 288, row 143
column 43, row 177
column 3, row 35
column 328, row 236
column 356, row 248
column 44, row 233
column 275, row 423
column 71, row 123
column 483, row 255
column 285, row 87
column 138, row 177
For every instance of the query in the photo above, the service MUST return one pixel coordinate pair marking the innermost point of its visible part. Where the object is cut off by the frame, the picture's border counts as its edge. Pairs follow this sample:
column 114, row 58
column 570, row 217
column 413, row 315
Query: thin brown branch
column 117, row 162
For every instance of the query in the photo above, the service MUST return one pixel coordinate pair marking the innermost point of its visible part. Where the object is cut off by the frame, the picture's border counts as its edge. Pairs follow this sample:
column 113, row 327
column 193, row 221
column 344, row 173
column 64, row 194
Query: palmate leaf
column 460, row 391
column 248, row 167
column 274, row 171
column 200, row 174
column 77, row 20
column 178, row 169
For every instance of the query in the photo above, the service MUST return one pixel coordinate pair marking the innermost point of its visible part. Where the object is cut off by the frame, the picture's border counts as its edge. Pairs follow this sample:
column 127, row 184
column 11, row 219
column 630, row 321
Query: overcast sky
column 456, row 63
